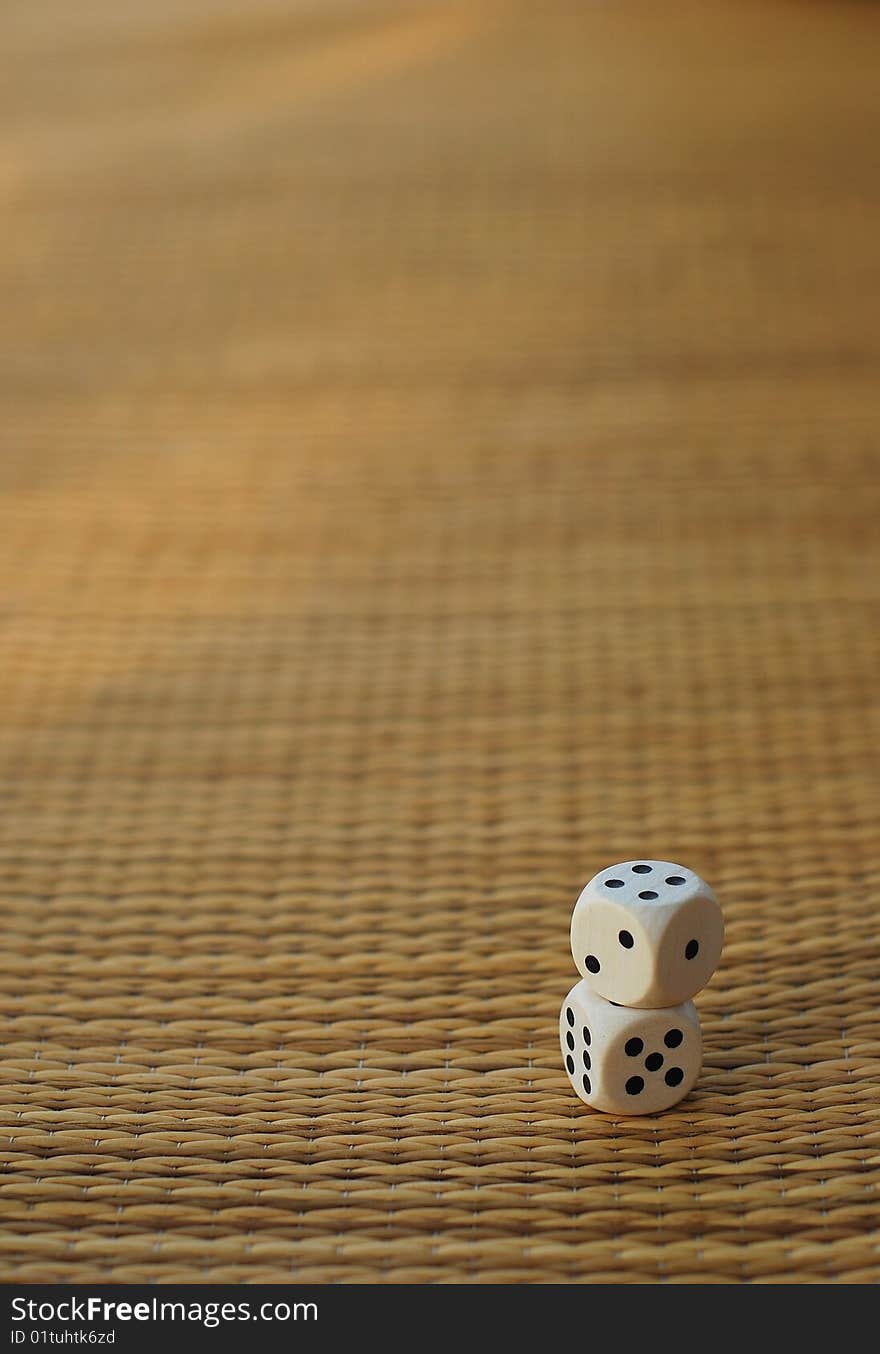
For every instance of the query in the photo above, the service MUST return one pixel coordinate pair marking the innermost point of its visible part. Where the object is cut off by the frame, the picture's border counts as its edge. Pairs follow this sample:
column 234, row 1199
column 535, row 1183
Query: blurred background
column 439, row 458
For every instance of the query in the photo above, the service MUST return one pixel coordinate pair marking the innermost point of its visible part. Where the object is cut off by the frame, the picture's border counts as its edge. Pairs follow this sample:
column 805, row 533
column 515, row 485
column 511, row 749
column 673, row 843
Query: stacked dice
column 645, row 936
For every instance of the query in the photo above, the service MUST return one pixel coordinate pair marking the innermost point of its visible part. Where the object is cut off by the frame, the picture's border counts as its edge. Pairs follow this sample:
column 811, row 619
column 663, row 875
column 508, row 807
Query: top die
column 647, row 933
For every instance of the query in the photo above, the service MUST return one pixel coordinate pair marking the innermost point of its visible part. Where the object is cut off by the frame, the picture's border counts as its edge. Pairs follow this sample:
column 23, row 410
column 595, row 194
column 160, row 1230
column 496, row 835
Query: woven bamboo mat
column 440, row 457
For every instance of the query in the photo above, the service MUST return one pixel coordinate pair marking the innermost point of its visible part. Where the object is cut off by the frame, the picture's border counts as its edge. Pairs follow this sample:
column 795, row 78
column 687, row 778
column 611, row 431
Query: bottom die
column 628, row 1061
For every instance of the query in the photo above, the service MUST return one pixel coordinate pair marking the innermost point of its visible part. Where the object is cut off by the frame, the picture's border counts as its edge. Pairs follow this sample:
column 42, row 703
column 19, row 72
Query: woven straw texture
column 440, row 458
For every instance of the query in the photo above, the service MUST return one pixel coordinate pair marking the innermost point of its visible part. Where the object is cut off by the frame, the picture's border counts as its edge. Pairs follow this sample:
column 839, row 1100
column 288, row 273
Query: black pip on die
column 647, row 936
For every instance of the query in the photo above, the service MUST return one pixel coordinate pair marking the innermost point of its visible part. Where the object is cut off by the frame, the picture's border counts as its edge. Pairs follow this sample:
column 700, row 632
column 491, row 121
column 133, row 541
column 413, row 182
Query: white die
column 647, row 933
column 628, row 1061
